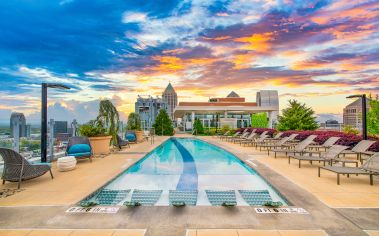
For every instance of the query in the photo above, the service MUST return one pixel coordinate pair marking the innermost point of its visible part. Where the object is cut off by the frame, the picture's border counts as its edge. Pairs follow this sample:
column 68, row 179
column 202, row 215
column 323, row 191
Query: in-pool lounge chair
column 370, row 167
column 79, row 147
column 122, row 143
column 329, row 156
column 17, row 168
column 298, row 149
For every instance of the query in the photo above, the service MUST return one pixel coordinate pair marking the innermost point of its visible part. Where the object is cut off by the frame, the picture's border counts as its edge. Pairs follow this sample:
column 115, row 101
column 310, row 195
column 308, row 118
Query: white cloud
column 134, row 17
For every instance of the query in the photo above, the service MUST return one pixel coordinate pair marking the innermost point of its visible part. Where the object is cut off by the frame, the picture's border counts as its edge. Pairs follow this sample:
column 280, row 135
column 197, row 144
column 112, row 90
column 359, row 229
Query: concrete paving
column 164, row 220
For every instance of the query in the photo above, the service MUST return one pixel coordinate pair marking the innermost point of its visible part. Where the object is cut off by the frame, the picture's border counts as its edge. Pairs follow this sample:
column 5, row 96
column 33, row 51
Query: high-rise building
column 171, row 98
column 28, row 130
column 148, row 108
column 269, row 98
column 18, row 121
column 60, row 127
column 352, row 113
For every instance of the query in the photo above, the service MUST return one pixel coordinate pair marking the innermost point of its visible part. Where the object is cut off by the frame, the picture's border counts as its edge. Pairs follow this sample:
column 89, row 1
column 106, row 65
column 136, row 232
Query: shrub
column 373, row 118
column 259, row 120
column 348, row 129
column 91, row 129
column 198, row 126
column 225, row 128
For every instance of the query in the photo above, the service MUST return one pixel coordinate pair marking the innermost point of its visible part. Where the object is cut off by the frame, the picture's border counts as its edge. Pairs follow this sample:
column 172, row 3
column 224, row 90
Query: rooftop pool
column 190, row 171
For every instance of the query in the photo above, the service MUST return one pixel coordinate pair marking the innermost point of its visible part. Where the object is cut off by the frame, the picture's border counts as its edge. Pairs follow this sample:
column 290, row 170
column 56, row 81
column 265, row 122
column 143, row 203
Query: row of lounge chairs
column 178, row 198
column 307, row 150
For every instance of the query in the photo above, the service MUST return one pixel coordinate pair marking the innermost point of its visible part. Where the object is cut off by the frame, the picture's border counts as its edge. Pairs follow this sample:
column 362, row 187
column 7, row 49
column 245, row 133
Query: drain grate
column 255, row 197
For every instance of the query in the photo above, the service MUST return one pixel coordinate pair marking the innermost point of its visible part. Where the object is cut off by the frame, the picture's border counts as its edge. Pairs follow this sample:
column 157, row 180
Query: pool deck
column 348, row 209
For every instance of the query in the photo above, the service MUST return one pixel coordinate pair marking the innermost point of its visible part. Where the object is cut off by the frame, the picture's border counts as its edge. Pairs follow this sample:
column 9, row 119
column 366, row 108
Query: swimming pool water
column 188, row 164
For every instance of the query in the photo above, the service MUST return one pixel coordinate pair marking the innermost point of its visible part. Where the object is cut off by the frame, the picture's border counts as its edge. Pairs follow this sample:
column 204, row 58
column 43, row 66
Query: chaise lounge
column 370, row 167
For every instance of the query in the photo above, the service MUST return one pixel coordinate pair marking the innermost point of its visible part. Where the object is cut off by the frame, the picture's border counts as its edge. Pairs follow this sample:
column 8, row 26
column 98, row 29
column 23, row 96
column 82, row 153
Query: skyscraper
column 18, row 120
column 60, row 127
column 171, row 98
column 352, row 113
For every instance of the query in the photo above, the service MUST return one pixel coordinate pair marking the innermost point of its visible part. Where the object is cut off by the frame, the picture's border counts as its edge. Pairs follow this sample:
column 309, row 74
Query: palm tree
column 109, row 118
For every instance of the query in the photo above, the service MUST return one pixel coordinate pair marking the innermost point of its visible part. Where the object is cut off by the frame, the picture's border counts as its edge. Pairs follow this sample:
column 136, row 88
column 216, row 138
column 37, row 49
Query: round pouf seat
column 66, row 163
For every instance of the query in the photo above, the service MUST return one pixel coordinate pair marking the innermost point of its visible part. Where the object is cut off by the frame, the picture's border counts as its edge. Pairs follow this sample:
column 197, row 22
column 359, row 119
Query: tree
column 373, row 118
column 109, row 119
column 259, row 120
column 163, row 124
column 297, row 117
column 134, row 121
column 198, row 126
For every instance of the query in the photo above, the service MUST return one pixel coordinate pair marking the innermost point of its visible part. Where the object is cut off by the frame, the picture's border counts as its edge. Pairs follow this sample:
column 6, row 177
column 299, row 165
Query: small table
column 66, row 163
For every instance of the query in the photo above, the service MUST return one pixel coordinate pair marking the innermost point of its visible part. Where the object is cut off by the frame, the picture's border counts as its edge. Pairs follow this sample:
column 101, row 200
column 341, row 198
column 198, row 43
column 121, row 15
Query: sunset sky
column 315, row 51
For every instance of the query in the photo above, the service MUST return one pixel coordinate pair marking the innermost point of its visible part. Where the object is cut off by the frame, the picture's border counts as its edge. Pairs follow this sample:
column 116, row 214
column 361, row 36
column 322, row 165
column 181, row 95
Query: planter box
column 100, row 145
column 139, row 136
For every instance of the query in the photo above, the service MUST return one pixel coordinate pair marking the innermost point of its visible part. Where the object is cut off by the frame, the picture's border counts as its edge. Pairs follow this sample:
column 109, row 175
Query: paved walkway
column 73, row 232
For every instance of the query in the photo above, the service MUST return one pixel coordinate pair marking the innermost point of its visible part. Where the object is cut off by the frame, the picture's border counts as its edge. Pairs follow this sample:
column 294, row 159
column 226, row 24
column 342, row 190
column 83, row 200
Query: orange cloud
column 257, row 42
column 168, row 64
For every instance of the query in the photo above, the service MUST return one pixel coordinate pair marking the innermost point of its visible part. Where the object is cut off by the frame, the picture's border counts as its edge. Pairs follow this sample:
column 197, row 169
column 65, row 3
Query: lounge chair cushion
column 79, row 149
column 130, row 137
column 81, row 154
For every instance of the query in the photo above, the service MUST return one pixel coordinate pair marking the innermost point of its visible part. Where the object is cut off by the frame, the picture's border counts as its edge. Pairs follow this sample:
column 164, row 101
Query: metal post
column 364, row 118
column 44, row 123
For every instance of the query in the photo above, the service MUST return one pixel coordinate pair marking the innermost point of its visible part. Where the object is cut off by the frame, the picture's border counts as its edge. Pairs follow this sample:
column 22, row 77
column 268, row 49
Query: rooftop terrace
column 40, row 208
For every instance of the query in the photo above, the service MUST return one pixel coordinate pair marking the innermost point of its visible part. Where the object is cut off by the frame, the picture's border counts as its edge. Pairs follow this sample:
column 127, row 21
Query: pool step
column 111, row 197
column 188, row 197
column 218, row 198
column 255, row 197
column 146, row 197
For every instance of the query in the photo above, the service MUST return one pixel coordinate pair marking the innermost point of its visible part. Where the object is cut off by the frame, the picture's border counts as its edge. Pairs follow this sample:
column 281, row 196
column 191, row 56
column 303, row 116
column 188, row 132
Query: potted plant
column 134, row 123
column 102, row 130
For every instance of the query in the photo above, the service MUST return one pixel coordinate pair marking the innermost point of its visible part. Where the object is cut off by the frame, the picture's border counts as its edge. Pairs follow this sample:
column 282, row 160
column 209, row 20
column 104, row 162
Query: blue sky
column 315, row 51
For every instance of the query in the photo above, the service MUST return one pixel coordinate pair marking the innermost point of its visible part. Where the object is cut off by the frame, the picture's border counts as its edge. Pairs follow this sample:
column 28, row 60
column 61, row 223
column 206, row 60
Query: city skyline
column 315, row 51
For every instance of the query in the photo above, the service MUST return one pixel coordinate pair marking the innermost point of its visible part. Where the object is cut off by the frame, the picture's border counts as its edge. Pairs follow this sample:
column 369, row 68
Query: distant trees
column 297, row 117
column 259, row 120
column 373, row 118
column 163, row 124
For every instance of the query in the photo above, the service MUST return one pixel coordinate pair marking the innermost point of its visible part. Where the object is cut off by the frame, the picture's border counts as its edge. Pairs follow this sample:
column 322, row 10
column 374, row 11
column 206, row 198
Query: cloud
column 122, row 48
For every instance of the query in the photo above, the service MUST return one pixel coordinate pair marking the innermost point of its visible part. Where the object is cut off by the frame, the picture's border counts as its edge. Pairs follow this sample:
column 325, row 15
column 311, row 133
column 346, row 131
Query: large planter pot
column 100, row 145
column 139, row 135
